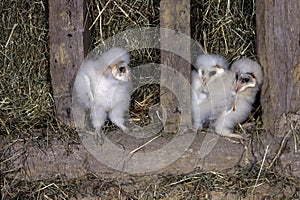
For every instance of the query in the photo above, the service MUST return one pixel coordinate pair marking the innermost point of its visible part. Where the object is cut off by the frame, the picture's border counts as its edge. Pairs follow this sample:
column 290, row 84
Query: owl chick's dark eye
column 236, row 77
column 245, row 80
column 122, row 69
column 212, row 73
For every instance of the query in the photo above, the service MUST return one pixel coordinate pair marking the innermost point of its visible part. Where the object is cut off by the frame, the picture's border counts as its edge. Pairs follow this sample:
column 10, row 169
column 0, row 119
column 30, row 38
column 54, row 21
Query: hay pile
column 27, row 106
column 195, row 185
column 225, row 27
column 26, row 102
column 27, row 112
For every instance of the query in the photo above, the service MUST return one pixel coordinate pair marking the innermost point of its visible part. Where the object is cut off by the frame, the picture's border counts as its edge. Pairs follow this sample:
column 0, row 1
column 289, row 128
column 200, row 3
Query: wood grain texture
column 74, row 160
column 278, row 47
column 175, row 15
column 69, row 42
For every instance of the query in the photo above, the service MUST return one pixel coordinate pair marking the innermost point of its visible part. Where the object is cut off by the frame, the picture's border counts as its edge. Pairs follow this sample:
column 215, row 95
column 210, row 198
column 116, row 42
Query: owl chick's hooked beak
column 120, row 71
column 212, row 73
column 244, row 81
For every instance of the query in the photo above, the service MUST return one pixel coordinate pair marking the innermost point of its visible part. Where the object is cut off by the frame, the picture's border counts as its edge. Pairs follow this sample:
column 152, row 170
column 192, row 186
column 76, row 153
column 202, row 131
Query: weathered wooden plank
column 69, row 42
column 175, row 15
column 73, row 161
column 278, row 32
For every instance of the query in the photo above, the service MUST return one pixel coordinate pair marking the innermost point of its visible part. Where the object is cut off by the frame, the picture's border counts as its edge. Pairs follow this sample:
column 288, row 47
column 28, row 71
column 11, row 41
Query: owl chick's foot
column 98, row 137
column 232, row 135
column 197, row 126
column 194, row 128
column 124, row 128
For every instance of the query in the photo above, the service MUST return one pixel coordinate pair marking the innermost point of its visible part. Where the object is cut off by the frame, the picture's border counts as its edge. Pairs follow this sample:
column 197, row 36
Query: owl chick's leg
column 197, row 123
column 195, row 116
column 203, row 114
column 98, row 116
column 79, row 114
column 116, row 115
column 88, row 88
column 223, row 127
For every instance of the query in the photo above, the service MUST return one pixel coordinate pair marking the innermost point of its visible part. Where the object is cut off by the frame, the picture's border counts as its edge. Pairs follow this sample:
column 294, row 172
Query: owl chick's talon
column 97, row 135
column 99, row 138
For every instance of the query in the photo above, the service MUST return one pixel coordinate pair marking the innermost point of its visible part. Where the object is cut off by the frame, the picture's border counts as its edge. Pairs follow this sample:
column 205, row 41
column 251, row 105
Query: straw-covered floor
column 27, row 112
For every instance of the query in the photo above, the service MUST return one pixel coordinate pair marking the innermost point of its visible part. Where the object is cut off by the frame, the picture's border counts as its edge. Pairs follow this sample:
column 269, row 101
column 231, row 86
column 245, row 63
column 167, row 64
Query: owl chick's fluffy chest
column 108, row 92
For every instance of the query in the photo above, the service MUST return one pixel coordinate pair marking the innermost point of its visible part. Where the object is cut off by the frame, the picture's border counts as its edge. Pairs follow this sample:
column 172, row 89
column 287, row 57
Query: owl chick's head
column 121, row 71
column 210, row 66
column 117, row 60
column 248, row 74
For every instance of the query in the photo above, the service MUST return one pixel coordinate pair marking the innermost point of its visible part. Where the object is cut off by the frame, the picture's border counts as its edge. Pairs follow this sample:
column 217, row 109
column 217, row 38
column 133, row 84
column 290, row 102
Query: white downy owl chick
column 103, row 86
column 248, row 79
column 209, row 67
column 221, row 96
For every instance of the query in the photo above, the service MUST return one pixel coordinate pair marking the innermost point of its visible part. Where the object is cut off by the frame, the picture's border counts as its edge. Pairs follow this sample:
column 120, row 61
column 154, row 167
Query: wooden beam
column 278, row 32
column 175, row 15
column 69, row 43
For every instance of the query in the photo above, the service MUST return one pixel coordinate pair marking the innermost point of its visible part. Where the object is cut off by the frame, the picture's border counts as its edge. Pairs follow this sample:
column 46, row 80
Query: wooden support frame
column 175, row 15
column 277, row 34
column 69, row 43
column 278, row 47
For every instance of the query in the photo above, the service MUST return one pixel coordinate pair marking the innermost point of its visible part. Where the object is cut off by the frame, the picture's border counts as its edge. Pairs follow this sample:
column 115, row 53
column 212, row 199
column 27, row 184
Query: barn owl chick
column 221, row 97
column 103, row 86
column 248, row 78
column 209, row 67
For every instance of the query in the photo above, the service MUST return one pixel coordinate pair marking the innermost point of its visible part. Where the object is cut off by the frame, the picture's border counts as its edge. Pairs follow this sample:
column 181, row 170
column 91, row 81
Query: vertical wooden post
column 175, row 15
column 278, row 47
column 69, row 42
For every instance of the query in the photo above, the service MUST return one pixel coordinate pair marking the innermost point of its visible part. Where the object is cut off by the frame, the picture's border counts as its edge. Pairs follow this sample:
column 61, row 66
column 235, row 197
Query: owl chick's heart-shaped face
column 212, row 73
column 121, row 71
column 244, row 81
